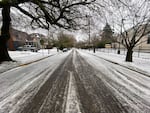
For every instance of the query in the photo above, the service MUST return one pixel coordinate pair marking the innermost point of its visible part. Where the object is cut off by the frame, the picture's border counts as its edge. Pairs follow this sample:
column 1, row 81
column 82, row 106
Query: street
column 73, row 82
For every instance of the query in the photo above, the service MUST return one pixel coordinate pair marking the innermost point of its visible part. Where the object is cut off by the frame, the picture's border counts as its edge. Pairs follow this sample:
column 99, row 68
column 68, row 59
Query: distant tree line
column 99, row 40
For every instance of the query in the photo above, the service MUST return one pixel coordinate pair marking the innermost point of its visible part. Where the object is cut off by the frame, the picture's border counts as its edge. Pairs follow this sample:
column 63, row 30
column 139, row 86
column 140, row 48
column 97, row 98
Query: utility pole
column 48, row 41
column 89, row 29
column 120, row 35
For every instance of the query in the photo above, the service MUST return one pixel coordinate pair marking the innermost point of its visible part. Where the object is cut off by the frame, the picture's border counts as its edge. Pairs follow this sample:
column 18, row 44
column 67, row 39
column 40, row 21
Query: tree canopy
column 130, row 19
column 43, row 14
column 65, row 41
column 107, row 34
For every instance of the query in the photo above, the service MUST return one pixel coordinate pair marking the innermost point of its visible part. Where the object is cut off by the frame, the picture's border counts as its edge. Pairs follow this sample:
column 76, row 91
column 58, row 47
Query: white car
column 28, row 48
column 65, row 50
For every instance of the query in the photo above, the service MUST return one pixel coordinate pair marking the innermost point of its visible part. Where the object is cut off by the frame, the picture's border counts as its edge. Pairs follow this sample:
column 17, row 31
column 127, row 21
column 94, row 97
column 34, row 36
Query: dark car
column 65, row 50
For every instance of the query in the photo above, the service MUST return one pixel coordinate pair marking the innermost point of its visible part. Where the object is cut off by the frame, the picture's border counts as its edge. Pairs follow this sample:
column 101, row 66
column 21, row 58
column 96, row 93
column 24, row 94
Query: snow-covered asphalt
column 22, row 83
column 132, row 88
column 74, row 82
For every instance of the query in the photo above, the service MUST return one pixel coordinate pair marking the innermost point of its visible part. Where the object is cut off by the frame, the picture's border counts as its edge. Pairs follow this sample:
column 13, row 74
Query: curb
column 35, row 61
column 138, row 70
column 24, row 64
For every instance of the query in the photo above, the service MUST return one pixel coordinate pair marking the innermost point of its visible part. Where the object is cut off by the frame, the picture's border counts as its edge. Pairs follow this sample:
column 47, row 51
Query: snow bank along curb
column 27, row 63
column 129, row 67
column 23, row 64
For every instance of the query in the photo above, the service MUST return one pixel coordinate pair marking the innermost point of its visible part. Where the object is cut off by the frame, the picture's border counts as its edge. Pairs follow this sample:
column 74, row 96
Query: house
column 36, row 38
column 17, row 39
column 144, row 43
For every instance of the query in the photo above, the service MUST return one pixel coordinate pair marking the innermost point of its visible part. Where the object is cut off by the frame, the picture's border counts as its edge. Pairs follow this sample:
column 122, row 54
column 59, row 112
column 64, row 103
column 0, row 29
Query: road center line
column 72, row 103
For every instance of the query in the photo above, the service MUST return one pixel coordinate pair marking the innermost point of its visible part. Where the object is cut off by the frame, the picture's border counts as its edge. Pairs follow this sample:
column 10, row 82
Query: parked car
column 28, row 48
column 65, row 50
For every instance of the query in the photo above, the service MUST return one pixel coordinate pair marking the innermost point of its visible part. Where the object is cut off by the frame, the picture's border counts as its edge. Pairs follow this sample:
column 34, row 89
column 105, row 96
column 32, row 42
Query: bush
column 101, row 44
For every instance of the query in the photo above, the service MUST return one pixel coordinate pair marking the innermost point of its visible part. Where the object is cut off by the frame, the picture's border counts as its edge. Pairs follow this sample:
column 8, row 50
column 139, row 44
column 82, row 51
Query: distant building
column 36, row 38
column 19, row 38
column 144, row 43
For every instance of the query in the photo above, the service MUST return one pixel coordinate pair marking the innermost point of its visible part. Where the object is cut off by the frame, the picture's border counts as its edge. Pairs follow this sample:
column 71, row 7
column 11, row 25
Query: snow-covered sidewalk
column 141, row 64
column 25, row 57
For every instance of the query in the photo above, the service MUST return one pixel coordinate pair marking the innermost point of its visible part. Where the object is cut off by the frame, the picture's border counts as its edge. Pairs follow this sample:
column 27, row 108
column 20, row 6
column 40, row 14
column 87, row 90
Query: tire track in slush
column 58, row 94
column 94, row 95
column 74, row 88
column 50, row 97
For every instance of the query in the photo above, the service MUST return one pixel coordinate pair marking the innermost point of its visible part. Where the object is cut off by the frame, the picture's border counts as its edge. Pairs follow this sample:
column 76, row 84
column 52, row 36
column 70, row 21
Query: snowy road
column 20, row 84
column 74, row 82
column 131, row 88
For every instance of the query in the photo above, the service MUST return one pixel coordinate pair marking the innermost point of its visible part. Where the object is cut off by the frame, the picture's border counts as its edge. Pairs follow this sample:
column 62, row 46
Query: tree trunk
column 5, row 35
column 94, row 49
column 129, row 55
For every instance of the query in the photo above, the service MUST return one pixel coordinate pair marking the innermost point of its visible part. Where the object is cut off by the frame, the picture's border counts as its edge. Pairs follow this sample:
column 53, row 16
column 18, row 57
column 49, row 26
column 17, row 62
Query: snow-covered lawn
column 141, row 63
column 25, row 57
column 28, row 56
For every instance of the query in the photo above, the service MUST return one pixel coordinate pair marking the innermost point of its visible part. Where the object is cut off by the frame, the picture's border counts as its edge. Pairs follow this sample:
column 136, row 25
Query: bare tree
column 132, row 22
column 65, row 41
column 95, row 40
column 42, row 13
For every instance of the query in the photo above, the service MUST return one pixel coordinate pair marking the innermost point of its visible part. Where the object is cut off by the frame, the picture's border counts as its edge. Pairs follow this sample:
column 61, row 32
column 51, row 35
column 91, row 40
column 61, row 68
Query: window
column 148, row 39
